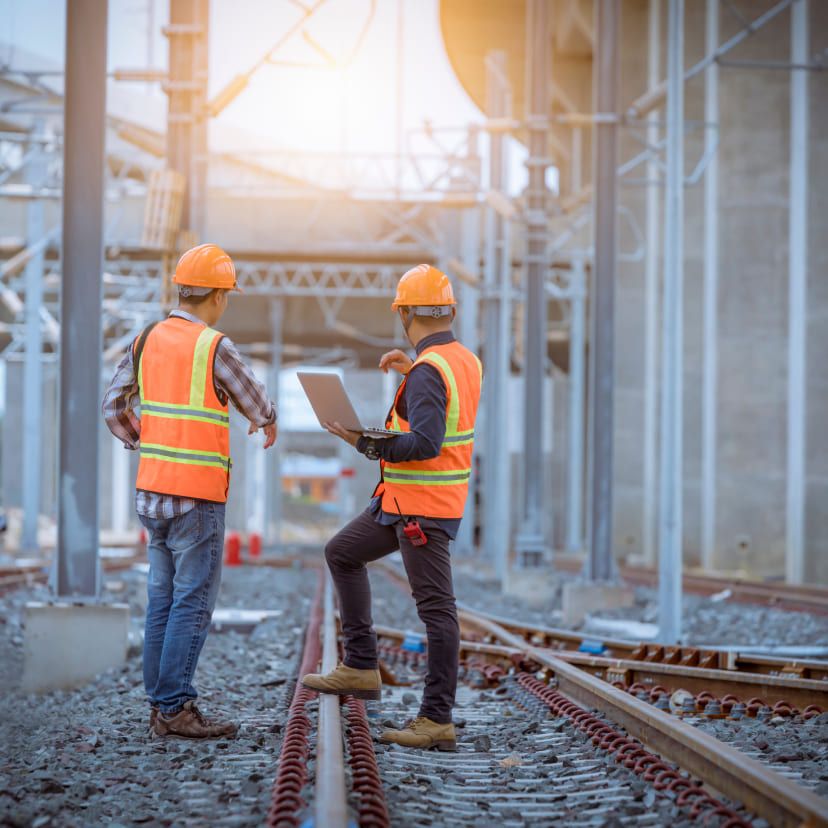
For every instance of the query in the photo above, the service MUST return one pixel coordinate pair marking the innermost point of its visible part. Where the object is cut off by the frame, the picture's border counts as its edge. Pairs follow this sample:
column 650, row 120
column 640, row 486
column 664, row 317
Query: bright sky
column 352, row 105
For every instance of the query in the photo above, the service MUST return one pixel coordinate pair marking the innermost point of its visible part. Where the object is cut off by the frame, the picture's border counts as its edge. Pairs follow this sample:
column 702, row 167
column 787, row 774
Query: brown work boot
column 346, row 681
column 190, row 723
column 423, row 733
column 153, row 718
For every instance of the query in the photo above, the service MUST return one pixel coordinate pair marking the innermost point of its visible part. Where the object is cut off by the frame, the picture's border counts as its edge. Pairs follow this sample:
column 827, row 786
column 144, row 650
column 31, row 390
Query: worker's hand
column 271, row 432
column 396, row 359
column 338, row 431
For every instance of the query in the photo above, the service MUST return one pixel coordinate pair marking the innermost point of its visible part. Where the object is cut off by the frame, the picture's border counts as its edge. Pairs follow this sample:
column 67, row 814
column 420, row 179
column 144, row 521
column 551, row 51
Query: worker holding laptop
column 425, row 455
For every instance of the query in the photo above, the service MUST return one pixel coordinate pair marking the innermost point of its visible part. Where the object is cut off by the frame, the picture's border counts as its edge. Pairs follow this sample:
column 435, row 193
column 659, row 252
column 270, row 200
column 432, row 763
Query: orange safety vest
column 185, row 427
column 437, row 488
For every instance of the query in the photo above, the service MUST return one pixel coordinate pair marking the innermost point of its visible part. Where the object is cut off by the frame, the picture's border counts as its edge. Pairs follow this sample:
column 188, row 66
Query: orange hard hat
column 208, row 267
column 423, row 285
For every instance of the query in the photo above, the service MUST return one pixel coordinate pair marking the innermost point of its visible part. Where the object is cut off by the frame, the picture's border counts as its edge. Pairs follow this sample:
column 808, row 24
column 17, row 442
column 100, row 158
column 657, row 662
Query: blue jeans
column 185, row 555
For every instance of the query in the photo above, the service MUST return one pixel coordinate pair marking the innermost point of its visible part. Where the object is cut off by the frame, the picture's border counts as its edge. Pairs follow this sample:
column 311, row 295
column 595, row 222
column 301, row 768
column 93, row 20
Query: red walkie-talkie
column 412, row 529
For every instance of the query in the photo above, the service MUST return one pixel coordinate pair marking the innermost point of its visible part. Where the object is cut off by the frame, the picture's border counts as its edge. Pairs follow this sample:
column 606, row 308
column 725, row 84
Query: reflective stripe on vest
column 438, row 487
column 185, row 426
column 187, row 456
column 196, row 410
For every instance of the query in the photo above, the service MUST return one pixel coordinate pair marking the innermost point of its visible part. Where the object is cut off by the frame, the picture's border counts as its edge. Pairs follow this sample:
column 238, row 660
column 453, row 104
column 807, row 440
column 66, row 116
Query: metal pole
column 530, row 542
column 80, row 298
column 468, row 310
column 670, row 514
column 496, row 514
column 603, row 333
column 33, row 365
column 273, row 475
column 577, row 343
column 400, row 79
column 797, row 296
column 577, row 381
column 120, row 486
column 711, row 294
column 651, row 291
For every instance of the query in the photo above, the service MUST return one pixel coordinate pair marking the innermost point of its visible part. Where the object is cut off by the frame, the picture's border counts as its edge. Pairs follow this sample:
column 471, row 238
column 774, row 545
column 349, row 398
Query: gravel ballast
column 84, row 758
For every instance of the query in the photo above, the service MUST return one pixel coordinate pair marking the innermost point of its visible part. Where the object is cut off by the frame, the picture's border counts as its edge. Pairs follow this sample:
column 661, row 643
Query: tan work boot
column 190, row 723
column 347, row 681
column 153, row 718
column 423, row 733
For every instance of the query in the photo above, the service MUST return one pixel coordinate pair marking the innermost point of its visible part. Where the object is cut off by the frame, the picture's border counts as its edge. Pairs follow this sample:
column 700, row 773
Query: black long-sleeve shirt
column 423, row 405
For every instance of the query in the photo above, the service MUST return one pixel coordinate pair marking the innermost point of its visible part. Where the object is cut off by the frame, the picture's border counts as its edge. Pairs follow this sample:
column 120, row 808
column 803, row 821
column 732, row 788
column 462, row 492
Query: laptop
column 331, row 404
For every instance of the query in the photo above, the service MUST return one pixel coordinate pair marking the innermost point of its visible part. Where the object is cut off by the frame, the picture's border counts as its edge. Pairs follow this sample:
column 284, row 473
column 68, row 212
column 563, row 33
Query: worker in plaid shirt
column 169, row 400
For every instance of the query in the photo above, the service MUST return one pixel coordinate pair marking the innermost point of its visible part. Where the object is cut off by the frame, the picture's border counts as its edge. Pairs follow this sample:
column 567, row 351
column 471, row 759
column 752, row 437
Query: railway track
column 795, row 597
column 542, row 742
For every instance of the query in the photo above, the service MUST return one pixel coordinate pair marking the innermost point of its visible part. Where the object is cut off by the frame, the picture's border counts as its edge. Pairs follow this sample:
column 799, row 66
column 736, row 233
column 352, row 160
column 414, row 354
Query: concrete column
column 670, row 514
column 77, row 572
column 530, row 542
column 33, row 365
column 797, row 296
column 602, row 341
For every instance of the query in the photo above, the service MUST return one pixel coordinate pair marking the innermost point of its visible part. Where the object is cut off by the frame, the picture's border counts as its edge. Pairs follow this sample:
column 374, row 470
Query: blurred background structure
column 629, row 194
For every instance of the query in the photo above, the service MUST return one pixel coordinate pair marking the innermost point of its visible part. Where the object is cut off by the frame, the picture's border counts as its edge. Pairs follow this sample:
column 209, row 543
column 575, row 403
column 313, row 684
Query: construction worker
column 183, row 374
column 416, row 507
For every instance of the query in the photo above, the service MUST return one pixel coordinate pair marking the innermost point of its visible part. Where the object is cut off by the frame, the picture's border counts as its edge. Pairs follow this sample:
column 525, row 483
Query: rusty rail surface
column 785, row 696
column 737, row 776
column 646, row 654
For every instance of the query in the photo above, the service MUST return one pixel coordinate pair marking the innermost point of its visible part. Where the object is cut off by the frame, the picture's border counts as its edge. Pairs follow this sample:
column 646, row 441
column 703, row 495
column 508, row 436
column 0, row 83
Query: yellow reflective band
column 198, row 378
column 140, row 376
column 157, row 451
column 441, row 362
column 173, row 411
column 456, row 477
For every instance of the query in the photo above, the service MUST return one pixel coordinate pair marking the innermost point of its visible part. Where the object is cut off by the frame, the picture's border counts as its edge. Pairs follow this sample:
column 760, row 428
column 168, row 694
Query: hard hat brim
column 395, row 306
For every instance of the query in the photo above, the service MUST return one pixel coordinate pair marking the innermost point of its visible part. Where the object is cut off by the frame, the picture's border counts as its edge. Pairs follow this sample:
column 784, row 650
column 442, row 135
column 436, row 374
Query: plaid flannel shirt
column 121, row 410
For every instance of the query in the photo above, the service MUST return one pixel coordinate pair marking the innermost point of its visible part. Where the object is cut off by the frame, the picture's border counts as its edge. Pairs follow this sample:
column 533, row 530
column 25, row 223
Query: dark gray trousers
column 429, row 573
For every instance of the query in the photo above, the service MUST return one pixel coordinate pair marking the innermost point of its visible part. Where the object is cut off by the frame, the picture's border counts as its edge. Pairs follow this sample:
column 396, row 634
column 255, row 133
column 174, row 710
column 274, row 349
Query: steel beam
column 602, row 340
column 273, row 476
column 711, row 294
column 651, row 297
column 530, row 542
column 77, row 572
column 187, row 108
column 671, row 478
column 797, row 297
column 36, row 170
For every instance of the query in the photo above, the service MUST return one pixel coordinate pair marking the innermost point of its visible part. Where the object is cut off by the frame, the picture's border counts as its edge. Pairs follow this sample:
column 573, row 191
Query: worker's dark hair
column 196, row 300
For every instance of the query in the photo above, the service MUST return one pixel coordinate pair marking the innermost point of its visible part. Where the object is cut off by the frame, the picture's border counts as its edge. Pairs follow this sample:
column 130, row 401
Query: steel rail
column 785, row 691
column 707, row 657
column 737, row 776
column 710, row 658
column 795, row 597
column 330, row 800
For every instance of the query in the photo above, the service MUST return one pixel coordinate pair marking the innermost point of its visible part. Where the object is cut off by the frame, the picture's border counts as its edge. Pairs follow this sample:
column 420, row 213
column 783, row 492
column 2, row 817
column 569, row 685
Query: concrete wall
column 753, row 303
column 816, row 515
